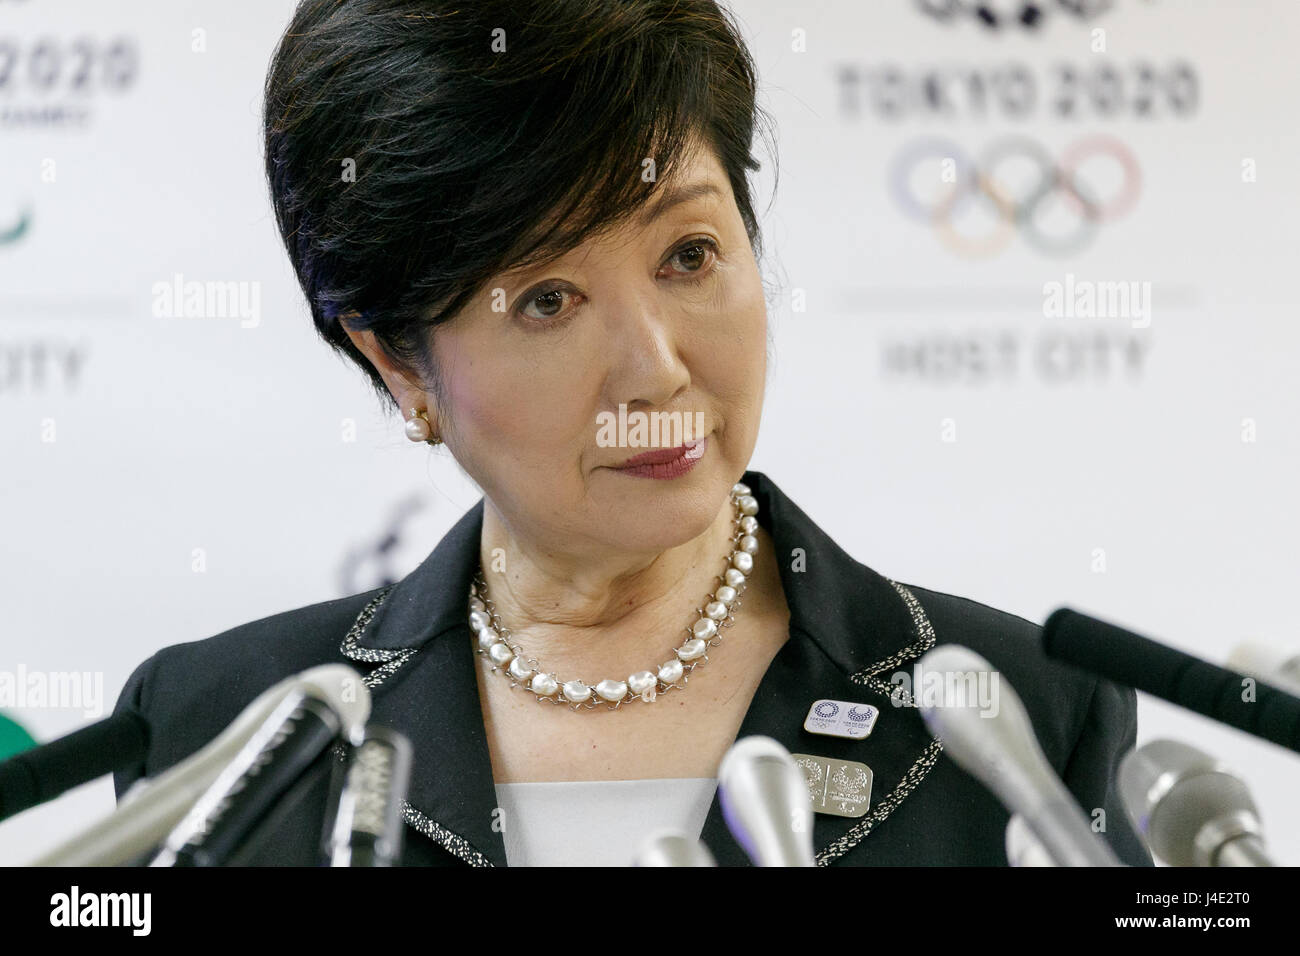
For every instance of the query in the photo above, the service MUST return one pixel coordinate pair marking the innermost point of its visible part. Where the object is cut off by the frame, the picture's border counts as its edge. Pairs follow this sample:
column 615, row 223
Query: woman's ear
column 406, row 393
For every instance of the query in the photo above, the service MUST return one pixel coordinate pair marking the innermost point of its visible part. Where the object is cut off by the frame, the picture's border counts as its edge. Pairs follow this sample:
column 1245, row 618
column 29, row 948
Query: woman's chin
column 655, row 518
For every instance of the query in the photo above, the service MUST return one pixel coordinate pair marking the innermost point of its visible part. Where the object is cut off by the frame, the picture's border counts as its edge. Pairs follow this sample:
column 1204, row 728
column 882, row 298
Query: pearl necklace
column 494, row 641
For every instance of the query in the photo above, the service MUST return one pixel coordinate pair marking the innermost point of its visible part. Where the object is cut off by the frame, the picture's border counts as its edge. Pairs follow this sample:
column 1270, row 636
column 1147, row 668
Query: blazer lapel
column 425, row 687
column 452, row 797
column 850, row 629
column 899, row 750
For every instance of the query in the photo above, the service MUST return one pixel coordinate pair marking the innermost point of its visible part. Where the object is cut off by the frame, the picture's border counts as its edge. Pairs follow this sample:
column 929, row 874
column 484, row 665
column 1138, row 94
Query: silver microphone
column 997, row 746
column 1192, row 810
column 1023, row 848
column 364, row 820
column 671, row 848
column 766, row 804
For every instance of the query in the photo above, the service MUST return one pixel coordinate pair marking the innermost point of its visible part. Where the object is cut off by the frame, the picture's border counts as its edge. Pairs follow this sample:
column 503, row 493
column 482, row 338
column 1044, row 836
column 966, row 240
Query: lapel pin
column 841, row 788
column 840, row 718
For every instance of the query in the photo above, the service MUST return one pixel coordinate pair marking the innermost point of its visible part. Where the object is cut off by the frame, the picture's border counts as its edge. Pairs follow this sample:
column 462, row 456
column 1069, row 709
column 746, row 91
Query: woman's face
column 662, row 316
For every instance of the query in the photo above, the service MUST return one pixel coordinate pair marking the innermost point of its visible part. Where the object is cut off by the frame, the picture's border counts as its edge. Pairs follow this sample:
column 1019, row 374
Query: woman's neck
column 602, row 614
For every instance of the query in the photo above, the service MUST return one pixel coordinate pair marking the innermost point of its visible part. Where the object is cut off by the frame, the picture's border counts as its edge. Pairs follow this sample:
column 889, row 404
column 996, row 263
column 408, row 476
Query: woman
column 526, row 222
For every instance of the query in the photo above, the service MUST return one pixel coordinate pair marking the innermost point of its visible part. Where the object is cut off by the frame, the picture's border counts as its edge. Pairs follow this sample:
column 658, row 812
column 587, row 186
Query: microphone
column 364, row 821
column 1146, row 665
column 50, row 770
column 1023, row 848
column 1278, row 667
column 1191, row 809
column 152, row 808
column 1001, row 751
column 765, row 802
column 294, row 735
column 671, row 848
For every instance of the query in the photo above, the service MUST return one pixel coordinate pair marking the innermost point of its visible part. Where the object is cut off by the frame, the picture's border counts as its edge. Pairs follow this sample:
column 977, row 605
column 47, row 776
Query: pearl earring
column 418, row 428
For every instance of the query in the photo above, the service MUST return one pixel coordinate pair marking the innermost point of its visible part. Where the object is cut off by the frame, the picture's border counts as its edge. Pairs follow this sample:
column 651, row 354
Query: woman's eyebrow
column 676, row 196
column 672, row 196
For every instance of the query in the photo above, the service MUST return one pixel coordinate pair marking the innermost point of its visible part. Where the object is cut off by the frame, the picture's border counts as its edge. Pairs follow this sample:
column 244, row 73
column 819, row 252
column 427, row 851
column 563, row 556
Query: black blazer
column 850, row 630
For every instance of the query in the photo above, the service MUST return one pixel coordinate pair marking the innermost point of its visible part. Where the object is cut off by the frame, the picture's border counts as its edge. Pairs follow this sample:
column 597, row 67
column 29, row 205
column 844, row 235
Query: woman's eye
column 693, row 260
column 694, row 257
column 548, row 304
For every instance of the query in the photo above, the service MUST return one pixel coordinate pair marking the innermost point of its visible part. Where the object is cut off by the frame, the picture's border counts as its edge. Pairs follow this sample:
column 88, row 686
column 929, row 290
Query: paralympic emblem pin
column 840, row 788
column 840, row 718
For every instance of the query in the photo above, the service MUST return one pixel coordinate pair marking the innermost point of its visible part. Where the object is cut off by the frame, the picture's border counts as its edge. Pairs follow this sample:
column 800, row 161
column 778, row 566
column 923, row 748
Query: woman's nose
column 646, row 361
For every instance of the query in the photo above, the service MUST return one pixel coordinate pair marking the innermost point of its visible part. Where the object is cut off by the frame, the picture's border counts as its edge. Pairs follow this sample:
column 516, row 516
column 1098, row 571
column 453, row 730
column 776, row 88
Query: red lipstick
column 665, row 462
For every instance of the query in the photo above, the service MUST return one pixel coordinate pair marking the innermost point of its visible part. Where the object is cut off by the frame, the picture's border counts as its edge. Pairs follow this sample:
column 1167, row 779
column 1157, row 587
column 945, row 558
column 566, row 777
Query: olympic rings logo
column 1027, row 13
column 1020, row 209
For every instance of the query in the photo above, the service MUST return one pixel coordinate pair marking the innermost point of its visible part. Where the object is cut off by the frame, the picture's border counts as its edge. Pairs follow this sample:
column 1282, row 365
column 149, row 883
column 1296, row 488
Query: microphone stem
column 1066, row 835
column 1244, row 851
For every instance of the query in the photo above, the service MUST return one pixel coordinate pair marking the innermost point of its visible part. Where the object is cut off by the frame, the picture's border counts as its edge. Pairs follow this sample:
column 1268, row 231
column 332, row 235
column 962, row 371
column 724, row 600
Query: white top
column 597, row 822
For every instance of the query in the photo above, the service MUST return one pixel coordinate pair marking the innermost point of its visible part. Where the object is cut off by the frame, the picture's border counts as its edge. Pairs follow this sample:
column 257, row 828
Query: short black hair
column 417, row 148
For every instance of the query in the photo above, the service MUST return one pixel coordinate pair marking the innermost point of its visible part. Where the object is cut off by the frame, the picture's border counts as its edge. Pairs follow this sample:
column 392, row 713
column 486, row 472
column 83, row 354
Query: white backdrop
column 164, row 479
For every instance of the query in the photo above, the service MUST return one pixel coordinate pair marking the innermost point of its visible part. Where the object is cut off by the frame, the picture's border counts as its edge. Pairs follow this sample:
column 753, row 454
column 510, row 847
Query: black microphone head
column 44, row 773
column 1119, row 655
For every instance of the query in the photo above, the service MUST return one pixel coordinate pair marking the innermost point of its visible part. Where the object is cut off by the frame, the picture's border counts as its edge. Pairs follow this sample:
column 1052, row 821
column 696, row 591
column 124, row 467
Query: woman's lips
column 661, row 455
column 665, row 462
